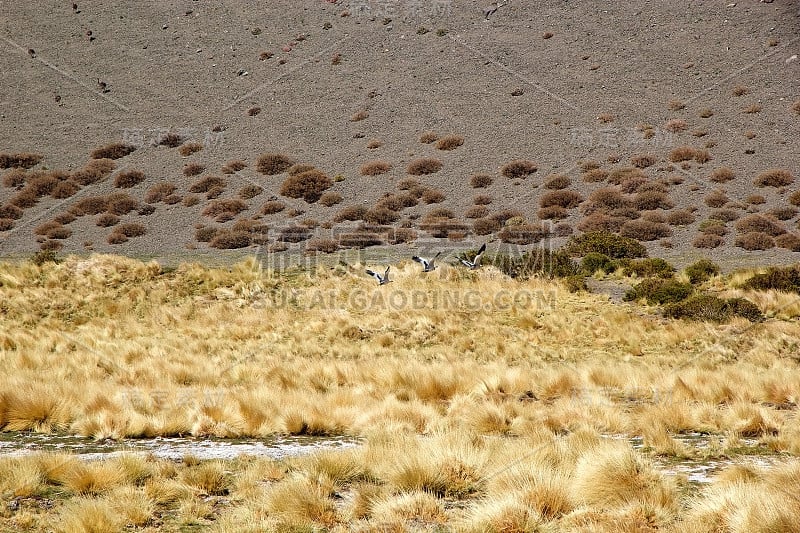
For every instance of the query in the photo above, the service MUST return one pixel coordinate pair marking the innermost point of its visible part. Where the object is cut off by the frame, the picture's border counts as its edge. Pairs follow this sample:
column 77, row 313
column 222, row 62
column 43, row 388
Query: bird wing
column 478, row 256
column 374, row 275
column 420, row 260
column 435, row 257
column 466, row 263
column 386, row 274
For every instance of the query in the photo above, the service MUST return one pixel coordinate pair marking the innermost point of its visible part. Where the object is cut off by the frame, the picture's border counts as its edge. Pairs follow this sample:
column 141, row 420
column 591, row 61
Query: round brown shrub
column 600, row 222
column 294, row 234
column 725, row 215
column 480, row 181
column 308, row 185
column 606, row 198
column 329, row 199
column 424, row 166
column 620, row 175
column 121, row 203
column 644, row 230
column 299, row 168
column 146, row 209
column 756, row 199
column 564, row 198
column 477, row 211
column 106, row 220
column 229, row 240
column 553, row 212
column 401, row 235
column 594, row 175
column 557, row 181
column 64, row 189
column 232, row 206
column 519, row 168
column 359, row 239
column 397, row 202
column 374, row 168
column 428, row 137
column 158, row 192
column 755, row 240
column 215, row 192
column 115, row 150
column 522, row 234
column 761, row 224
column 11, row 211
column 776, row 177
column 702, row 156
column 505, row 215
column 205, row 184
column 6, row 224
column 351, row 213
column 562, row 229
column 14, row 178
column 681, row 153
column 131, row 229
column 485, row 226
column 783, row 213
column 634, row 184
column 116, row 238
column 193, row 169
column 439, row 212
column 273, row 163
column 327, row 246
column 433, row 196
column 707, row 240
column 189, row 148
column 24, row 199
column 644, row 160
column 64, row 218
column 654, row 216
column 406, row 184
column 250, row 191
column 380, row 215
column 44, row 229
column 232, row 167
column 42, row 184
column 205, row 233
column 449, row 142
column 482, row 199
column 91, row 205
column 680, row 217
column 716, row 198
column 722, row 175
column 648, row 200
column 789, row 241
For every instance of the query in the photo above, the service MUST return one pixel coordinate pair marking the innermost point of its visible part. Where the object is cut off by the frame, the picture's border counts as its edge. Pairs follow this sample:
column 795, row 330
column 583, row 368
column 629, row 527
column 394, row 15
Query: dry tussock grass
column 457, row 405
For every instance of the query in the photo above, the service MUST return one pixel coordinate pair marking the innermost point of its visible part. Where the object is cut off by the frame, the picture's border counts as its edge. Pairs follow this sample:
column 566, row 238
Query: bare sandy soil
column 558, row 84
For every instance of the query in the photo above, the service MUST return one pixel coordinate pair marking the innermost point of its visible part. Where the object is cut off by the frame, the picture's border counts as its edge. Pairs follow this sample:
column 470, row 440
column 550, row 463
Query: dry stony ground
column 560, row 85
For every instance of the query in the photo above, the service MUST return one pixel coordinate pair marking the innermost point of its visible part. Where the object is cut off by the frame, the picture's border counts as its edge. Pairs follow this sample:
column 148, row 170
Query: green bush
column 701, row 271
column 610, row 244
column 783, row 279
column 576, row 283
column 540, row 262
column 659, row 291
column 45, row 256
column 712, row 308
column 649, row 268
column 594, row 261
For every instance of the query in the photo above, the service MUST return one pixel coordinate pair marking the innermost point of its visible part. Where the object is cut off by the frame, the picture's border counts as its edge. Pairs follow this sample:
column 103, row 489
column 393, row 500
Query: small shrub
column 701, row 271
column 229, row 240
column 120, row 203
column 359, row 239
column 190, row 148
column 485, row 226
column 610, row 244
column 644, row 160
column 359, row 116
column 170, row 140
column 441, row 228
column 205, row 233
column 782, row 279
column 24, row 199
column 406, row 184
column 649, row 268
column 131, row 229
column 675, row 125
column 724, row 215
column 232, row 167
column 480, row 181
column 351, row 213
column 505, row 215
column 116, row 150
column 540, row 261
column 273, row 163
column 740, row 90
column 476, row 211
column 64, row 189
column 594, row 261
column 621, row 175
column 307, row 185
column 774, row 178
column 433, row 196
column 156, row 193
column 217, row 208
column 716, row 198
column 707, row 241
column 294, row 234
column 91, row 205
column 565, row 198
column 680, row 217
column 250, row 191
column 24, row 160
column 449, row 142
column 522, row 234
column 553, row 212
column 205, row 184
column 783, row 213
column 789, row 241
column 601, row 222
column 380, row 215
column 562, row 230
column 482, row 199
column 594, row 175
column 755, row 240
column 756, row 199
column 116, row 238
column 145, row 210
column 64, row 218
column 760, row 223
column 273, row 206
column 299, row 168
column 401, row 235
column 106, row 220
column 428, row 137
column 648, row 200
column 659, row 291
column 327, row 246
column 557, row 182
column 645, row 230
column 374, row 168
column 329, row 199
column 424, row 166
column 128, row 178
column 45, row 256
column 711, row 308
column 11, row 211
column 374, row 144
column 607, row 198
column 519, row 168
column 42, row 184
column 681, row 153
column 190, row 200
column 14, row 178
column 193, row 169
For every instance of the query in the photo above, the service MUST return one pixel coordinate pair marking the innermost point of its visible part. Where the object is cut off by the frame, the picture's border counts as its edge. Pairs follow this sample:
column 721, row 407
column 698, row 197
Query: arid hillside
column 428, row 123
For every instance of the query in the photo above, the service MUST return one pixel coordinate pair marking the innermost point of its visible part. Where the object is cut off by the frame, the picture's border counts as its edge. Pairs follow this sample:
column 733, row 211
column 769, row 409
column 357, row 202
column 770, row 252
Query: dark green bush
column 576, row 283
column 783, row 279
column 701, row 271
column 554, row 264
column 649, row 268
column 610, row 244
column 594, row 261
column 659, row 291
column 45, row 256
column 712, row 308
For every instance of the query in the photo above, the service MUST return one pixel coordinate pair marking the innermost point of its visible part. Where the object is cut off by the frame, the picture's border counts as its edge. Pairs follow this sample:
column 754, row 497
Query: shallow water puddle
column 14, row 443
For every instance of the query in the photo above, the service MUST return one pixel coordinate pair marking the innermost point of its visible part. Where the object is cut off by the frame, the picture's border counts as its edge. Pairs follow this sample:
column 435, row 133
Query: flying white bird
column 476, row 262
column 427, row 265
column 382, row 280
